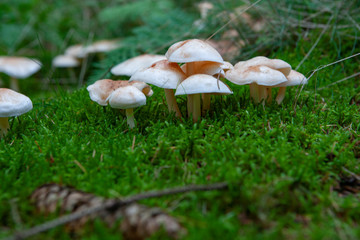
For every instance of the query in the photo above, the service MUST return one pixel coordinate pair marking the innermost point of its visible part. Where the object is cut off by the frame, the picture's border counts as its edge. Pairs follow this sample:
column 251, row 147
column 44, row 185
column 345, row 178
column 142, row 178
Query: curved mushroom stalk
column 196, row 111
column 281, row 95
column 259, row 93
column 206, row 99
column 4, row 126
column 130, row 117
column 14, row 84
column 171, row 102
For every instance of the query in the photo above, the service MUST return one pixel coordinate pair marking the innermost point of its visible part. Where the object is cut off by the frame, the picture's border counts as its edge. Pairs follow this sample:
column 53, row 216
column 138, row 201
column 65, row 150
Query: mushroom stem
column 4, row 126
column 130, row 117
column 206, row 98
column 254, row 92
column 269, row 94
column 196, row 107
column 190, row 106
column 281, row 95
column 263, row 94
column 14, row 84
column 171, row 102
column 190, row 70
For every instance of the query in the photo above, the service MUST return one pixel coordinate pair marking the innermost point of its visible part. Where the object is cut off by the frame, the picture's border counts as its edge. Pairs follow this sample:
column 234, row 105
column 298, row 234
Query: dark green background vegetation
column 284, row 163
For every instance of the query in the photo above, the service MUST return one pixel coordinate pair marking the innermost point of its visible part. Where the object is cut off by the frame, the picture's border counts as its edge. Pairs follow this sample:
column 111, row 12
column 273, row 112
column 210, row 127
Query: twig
column 112, row 204
column 316, row 43
column 339, row 81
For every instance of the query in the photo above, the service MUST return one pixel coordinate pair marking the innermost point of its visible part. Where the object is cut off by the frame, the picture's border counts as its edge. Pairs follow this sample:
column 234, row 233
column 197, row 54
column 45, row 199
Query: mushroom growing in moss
column 293, row 79
column 12, row 104
column 166, row 75
column 128, row 98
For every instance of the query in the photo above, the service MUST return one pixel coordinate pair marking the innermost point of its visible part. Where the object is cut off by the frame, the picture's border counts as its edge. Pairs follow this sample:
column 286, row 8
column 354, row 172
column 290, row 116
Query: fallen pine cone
column 138, row 221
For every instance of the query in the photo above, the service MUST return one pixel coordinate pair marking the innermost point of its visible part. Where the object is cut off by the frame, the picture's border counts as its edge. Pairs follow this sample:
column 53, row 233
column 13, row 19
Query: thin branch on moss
column 113, row 204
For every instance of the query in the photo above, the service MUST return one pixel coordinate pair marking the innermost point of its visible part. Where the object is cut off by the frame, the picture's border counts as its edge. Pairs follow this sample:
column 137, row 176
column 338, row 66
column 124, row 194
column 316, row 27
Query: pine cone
column 138, row 221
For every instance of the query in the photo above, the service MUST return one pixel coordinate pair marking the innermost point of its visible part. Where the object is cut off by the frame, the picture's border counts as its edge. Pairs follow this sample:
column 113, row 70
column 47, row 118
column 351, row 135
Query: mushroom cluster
column 194, row 68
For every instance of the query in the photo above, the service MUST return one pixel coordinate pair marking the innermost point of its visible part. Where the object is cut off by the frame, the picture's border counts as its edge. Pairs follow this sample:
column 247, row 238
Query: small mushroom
column 101, row 89
column 130, row 66
column 127, row 97
column 163, row 74
column 18, row 68
column 293, row 79
column 261, row 73
column 12, row 104
column 200, row 83
column 66, row 61
column 258, row 77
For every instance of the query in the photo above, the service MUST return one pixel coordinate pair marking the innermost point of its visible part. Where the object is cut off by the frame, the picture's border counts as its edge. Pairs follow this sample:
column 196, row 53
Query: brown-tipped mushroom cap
column 126, row 97
column 130, row 66
column 277, row 64
column 202, row 83
column 162, row 74
column 13, row 103
column 293, row 79
column 193, row 50
column 101, row 89
column 261, row 75
column 19, row 67
column 65, row 61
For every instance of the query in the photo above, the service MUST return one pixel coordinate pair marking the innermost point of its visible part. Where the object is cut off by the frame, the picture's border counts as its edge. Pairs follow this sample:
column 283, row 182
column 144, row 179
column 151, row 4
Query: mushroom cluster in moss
column 198, row 57
column 262, row 74
column 12, row 104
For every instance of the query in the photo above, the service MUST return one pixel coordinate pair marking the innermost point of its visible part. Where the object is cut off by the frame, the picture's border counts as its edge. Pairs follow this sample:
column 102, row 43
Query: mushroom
column 101, row 89
column 102, row 46
column 127, row 97
column 191, row 52
column 201, row 83
column 18, row 67
column 258, row 77
column 12, row 104
column 163, row 74
column 68, row 62
column 130, row 66
column 294, row 78
column 78, row 51
column 261, row 73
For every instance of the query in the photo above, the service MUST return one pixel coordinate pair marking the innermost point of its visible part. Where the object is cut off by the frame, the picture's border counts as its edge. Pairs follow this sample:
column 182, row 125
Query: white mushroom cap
column 126, row 97
column 162, row 74
column 65, row 61
column 277, row 64
column 193, row 50
column 294, row 78
column 101, row 89
column 261, row 75
column 19, row 67
column 103, row 46
column 202, row 83
column 130, row 66
column 13, row 103
column 78, row 51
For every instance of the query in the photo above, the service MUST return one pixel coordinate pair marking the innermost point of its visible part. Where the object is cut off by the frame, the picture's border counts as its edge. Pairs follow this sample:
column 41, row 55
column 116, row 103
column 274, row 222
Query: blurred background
column 302, row 32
